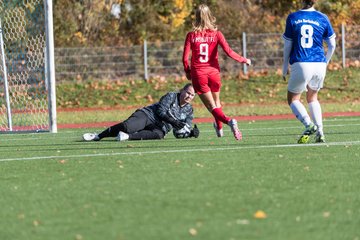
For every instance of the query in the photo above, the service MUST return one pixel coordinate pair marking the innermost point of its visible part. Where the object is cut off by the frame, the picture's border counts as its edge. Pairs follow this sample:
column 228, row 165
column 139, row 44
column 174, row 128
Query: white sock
column 122, row 136
column 300, row 112
column 316, row 115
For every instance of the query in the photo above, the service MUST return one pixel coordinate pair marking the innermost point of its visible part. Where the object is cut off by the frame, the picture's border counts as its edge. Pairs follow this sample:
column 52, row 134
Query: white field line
column 284, row 128
column 59, row 135
column 300, row 128
column 238, row 148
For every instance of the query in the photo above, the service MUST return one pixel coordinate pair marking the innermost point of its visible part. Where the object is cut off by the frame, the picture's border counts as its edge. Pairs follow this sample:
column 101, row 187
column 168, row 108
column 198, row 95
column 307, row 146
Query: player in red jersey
column 204, row 70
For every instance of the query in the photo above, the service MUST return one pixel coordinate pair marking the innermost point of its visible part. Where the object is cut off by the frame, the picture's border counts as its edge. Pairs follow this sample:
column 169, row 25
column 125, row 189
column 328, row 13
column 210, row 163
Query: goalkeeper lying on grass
column 173, row 111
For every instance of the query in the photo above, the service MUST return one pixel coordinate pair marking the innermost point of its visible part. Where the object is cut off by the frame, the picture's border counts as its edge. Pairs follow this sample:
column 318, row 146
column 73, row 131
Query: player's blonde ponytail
column 204, row 20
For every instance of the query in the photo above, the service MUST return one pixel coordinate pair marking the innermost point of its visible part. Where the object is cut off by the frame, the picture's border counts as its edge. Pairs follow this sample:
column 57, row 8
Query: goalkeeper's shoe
column 91, row 137
column 305, row 137
column 319, row 138
column 235, row 130
column 219, row 132
column 122, row 136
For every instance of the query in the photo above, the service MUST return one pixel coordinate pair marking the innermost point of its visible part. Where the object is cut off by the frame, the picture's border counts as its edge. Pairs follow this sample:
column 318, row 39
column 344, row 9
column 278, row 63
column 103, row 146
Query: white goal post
column 27, row 69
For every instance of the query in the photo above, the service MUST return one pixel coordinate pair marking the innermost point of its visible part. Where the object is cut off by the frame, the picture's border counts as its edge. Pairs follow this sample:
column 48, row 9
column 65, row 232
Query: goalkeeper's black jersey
column 169, row 105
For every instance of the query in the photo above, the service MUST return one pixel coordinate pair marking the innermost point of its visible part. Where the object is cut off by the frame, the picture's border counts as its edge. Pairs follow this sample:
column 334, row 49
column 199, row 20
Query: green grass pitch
column 54, row 186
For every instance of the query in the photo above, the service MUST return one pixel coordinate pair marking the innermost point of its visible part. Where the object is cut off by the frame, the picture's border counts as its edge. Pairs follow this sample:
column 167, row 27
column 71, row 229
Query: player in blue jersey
column 305, row 32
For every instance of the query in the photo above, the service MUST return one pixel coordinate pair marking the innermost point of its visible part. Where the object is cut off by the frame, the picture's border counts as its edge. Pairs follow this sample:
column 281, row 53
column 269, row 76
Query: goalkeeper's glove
column 177, row 124
column 195, row 132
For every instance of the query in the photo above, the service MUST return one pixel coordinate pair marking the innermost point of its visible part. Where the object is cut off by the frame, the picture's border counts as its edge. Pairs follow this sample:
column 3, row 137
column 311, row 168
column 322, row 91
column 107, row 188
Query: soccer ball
column 183, row 132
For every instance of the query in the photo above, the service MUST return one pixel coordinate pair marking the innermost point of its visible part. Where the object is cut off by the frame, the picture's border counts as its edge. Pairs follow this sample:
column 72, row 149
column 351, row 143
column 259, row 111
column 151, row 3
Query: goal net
column 26, row 66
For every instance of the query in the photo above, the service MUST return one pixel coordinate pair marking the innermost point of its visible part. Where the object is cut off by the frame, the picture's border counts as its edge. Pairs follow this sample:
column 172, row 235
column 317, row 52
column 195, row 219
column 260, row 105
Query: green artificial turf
column 55, row 186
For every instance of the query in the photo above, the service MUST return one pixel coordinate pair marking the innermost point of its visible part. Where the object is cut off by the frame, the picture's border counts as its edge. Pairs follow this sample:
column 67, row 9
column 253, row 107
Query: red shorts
column 205, row 81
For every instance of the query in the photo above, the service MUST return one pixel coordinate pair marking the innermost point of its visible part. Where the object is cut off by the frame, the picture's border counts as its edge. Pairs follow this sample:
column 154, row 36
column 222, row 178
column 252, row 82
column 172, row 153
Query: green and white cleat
column 319, row 138
column 305, row 137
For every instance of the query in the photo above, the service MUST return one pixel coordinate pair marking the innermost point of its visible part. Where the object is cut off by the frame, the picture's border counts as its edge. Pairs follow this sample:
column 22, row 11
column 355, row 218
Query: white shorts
column 304, row 74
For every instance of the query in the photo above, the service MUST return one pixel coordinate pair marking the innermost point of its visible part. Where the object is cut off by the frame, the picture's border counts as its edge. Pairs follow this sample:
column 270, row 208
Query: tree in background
column 339, row 11
column 118, row 22
column 153, row 19
column 124, row 22
column 345, row 11
column 85, row 22
column 157, row 20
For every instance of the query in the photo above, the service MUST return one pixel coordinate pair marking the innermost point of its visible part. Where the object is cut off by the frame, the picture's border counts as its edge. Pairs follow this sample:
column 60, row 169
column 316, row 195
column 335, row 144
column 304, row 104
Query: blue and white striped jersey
column 307, row 29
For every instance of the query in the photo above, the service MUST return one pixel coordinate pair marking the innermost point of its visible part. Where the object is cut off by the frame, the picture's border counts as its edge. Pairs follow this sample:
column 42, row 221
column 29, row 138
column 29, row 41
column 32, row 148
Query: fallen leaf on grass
column 326, row 214
column 193, row 231
column 36, row 223
column 78, row 237
column 260, row 214
column 199, row 165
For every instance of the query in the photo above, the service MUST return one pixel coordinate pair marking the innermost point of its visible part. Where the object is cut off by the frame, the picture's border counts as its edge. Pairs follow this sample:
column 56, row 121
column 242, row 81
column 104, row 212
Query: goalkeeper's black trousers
column 138, row 126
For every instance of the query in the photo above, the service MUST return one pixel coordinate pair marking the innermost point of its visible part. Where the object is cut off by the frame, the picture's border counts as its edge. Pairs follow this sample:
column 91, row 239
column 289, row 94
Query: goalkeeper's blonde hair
column 204, row 20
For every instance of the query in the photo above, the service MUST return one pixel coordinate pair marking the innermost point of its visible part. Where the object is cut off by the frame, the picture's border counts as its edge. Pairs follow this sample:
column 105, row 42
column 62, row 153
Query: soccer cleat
column 305, row 137
column 235, row 130
column 122, row 136
column 319, row 138
column 91, row 137
column 219, row 132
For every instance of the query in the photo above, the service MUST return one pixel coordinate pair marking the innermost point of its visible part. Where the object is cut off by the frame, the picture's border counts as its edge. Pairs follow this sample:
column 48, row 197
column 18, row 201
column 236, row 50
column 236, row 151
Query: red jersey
column 204, row 52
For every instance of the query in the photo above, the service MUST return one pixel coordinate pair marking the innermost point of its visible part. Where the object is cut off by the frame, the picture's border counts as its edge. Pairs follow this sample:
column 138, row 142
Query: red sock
column 218, row 124
column 220, row 116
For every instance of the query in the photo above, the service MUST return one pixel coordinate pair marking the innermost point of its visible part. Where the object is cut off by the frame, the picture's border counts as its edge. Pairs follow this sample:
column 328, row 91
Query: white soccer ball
column 183, row 132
